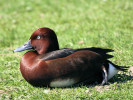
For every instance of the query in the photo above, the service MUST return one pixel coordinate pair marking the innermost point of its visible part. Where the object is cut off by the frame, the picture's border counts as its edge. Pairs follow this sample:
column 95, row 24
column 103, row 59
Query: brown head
column 43, row 40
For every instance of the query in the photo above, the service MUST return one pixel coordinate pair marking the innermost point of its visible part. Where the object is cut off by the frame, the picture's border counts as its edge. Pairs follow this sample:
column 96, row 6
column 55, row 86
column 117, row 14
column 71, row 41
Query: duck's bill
column 26, row 46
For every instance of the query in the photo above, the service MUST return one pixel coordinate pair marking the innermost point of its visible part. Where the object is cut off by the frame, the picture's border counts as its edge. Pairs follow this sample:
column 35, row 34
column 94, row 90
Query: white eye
column 38, row 37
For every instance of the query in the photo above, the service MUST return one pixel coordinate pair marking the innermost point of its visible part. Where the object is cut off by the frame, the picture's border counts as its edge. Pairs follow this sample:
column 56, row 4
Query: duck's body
column 49, row 66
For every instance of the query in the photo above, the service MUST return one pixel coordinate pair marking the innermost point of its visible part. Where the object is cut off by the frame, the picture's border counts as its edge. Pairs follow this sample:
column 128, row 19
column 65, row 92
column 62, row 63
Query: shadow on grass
column 119, row 78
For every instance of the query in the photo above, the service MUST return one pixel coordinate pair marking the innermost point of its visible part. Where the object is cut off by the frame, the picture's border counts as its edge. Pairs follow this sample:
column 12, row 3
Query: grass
column 78, row 24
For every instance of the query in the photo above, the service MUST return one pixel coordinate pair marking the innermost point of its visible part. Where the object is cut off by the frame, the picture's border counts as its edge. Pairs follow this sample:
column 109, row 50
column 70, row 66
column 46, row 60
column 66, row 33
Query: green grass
column 99, row 23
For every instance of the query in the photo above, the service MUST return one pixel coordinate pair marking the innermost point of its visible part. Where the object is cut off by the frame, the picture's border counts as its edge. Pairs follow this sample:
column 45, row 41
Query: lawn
column 78, row 24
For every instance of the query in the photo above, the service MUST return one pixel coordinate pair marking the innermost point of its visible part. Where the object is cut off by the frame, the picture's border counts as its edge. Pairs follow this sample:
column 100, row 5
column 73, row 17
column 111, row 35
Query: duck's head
column 43, row 40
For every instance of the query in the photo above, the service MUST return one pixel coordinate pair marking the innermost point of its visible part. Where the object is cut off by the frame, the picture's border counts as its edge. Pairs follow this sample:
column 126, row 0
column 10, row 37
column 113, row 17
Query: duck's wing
column 67, row 51
column 79, row 66
column 58, row 54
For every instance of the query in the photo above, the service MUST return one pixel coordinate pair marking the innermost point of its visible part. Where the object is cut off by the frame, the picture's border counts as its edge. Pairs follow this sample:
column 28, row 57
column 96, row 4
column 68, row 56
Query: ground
column 78, row 24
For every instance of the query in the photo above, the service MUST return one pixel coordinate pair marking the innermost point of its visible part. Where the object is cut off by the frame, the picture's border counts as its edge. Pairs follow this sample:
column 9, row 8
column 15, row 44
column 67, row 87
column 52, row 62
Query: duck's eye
column 38, row 37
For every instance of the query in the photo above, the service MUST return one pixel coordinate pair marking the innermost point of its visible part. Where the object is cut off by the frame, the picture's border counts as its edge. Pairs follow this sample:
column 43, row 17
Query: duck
column 45, row 65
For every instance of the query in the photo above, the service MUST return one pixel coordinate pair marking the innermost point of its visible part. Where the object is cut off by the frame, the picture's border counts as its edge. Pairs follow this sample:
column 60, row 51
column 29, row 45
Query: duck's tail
column 120, row 68
column 101, row 51
column 112, row 69
column 109, row 70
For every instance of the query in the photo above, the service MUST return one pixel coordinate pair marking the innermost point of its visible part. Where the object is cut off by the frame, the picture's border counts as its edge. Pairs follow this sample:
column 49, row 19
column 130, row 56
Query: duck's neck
column 49, row 46
column 53, row 47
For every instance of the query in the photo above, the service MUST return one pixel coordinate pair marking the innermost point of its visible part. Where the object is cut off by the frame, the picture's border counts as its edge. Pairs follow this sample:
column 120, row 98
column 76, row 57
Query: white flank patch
column 62, row 83
column 112, row 71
